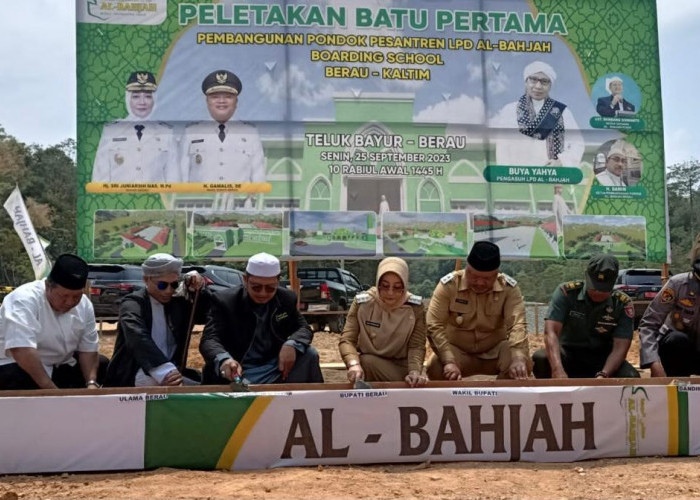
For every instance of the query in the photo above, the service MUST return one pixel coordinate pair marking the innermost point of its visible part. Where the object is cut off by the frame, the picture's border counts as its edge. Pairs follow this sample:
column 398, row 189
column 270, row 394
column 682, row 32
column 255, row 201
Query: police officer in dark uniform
column 669, row 332
column 221, row 150
column 588, row 328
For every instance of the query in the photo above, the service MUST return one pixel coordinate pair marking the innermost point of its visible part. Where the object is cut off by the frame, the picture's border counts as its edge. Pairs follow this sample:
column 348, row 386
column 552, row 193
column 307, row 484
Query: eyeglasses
column 619, row 159
column 542, row 81
column 257, row 288
column 385, row 287
column 163, row 285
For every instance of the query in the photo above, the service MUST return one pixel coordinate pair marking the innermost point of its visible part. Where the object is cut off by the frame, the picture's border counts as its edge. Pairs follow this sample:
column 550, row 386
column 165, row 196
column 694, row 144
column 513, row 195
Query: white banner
column 25, row 229
column 538, row 424
column 71, row 433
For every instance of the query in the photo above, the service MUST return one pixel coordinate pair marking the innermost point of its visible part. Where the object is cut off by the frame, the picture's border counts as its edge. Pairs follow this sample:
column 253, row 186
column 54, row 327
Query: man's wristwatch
column 602, row 373
column 353, row 362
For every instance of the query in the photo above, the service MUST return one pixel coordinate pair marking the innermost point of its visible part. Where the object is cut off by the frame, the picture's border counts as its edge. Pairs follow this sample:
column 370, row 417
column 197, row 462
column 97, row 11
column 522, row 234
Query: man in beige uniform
column 481, row 314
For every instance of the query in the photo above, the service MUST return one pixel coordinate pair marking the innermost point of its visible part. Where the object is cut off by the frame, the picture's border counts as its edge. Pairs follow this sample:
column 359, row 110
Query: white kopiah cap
column 539, row 67
column 160, row 264
column 263, row 265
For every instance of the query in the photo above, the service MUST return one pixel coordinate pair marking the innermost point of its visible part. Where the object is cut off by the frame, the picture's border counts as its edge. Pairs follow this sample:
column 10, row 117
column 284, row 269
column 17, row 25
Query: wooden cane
column 183, row 363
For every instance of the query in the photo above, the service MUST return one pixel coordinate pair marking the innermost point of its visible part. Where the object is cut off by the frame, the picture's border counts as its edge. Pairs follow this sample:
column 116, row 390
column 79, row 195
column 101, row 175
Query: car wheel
column 337, row 323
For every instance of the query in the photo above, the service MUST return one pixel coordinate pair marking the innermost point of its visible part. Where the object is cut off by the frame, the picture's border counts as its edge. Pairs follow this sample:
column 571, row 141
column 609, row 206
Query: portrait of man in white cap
column 614, row 104
column 154, row 325
column 623, row 165
column 220, row 149
column 255, row 331
column 48, row 338
column 137, row 148
column 538, row 130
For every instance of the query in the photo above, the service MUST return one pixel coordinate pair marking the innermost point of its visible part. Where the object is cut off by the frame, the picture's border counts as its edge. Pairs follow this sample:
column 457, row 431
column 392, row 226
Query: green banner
column 215, row 130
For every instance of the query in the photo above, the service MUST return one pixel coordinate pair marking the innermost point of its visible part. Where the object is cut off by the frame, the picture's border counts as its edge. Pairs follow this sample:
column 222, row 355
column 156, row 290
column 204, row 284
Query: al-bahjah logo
column 633, row 400
column 121, row 11
column 93, row 9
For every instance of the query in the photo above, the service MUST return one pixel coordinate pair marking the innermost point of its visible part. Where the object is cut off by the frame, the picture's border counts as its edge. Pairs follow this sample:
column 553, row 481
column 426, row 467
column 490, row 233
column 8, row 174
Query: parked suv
column 217, row 277
column 641, row 285
column 109, row 284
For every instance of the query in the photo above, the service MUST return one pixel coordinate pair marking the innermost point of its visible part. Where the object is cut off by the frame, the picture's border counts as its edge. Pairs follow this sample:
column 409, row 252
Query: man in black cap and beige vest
column 480, row 313
column 588, row 329
column 48, row 338
column 137, row 148
column 255, row 331
column 221, row 150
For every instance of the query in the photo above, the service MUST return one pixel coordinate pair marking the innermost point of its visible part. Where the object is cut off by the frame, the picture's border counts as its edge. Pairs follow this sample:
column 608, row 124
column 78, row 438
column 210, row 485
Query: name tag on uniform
column 576, row 314
column 118, row 139
column 462, row 301
column 373, row 323
column 196, row 141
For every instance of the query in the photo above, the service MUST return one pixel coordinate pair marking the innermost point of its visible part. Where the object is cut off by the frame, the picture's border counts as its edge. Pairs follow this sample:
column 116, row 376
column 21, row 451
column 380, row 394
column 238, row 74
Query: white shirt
column 605, row 178
column 122, row 157
column 205, row 158
column 164, row 340
column 27, row 320
column 514, row 148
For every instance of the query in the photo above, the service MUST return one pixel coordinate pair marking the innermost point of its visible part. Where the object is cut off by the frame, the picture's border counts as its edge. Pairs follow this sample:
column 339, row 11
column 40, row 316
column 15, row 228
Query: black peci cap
column 484, row 256
column 69, row 271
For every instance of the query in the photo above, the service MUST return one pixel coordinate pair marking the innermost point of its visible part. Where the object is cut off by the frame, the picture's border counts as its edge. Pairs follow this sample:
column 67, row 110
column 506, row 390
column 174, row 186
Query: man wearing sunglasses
column 255, row 331
column 154, row 325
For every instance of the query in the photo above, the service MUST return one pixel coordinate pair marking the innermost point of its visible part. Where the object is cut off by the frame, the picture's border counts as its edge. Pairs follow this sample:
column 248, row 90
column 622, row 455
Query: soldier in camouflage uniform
column 476, row 321
column 669, row 332
column 588, row 329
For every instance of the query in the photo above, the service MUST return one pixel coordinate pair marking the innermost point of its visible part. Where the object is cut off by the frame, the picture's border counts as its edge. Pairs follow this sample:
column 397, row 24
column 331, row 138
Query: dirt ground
column 641, row 478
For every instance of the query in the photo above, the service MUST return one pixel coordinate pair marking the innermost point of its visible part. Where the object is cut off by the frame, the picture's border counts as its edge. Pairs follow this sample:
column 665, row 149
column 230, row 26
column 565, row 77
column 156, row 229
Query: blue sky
column 37, row 61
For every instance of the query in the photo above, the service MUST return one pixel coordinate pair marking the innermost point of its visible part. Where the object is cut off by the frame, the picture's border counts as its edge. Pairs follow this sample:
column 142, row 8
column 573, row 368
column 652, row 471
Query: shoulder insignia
column 510, row 280
column 572, row 285
column 667, row 295
column 249, row 124
column 621, row 296
column 164, row 124
column 416, row 300
column 447, row 278
column 361, row 298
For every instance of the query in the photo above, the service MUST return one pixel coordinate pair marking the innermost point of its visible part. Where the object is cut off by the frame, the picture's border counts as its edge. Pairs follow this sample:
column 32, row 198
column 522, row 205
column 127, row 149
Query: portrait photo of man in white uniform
column 221, row 150
column 137, row 149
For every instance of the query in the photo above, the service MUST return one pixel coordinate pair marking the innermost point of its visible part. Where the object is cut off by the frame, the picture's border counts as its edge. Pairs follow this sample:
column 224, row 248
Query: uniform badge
column 198, row 159
column 601, row 329
column 281, row 316
column 667, row 295
column 447, row 278
column 629, row 310
column 373, row 323
column 118, row 159
column 462, row 301
column 687, row 302
column 608, row 309
column 221, row 78
column 459, row 319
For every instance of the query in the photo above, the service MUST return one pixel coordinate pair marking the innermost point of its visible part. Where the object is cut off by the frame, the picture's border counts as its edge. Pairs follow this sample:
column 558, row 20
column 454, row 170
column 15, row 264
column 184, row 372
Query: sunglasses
column 163, row 285
column 257, row 288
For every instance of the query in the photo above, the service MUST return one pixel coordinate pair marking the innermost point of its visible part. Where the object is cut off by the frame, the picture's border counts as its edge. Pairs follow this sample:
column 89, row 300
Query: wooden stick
column 183, row 363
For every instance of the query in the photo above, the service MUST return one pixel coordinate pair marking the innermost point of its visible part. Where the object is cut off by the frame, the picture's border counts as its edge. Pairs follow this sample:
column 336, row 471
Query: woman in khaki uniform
column 384, row 335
